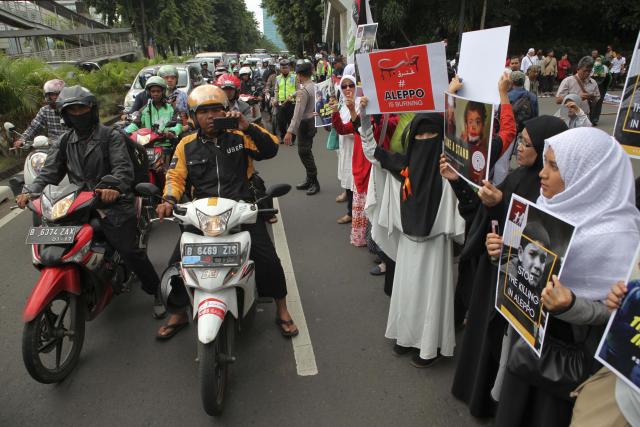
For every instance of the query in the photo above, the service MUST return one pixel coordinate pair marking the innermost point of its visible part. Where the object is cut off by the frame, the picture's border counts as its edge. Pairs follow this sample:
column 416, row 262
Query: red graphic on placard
column 517, row 213
column 403, row 79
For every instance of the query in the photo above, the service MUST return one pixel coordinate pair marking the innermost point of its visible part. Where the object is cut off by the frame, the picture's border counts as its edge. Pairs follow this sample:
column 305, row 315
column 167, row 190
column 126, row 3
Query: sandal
column 171, row 330
column 286, row 334
column 272, row 220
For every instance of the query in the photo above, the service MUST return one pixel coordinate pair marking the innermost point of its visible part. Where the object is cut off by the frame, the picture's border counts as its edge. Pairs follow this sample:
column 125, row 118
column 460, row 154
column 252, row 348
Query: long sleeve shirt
column 46, row 121
column 305, row 104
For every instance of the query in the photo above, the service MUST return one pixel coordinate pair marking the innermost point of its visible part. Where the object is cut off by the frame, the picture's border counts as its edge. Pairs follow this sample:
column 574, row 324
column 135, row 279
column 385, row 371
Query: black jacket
column 86, row 162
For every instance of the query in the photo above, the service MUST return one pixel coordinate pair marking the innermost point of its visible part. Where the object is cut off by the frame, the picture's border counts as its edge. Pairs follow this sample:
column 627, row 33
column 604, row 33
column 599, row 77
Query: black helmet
column 202, row 64
column 77, row 95
column 304, row 67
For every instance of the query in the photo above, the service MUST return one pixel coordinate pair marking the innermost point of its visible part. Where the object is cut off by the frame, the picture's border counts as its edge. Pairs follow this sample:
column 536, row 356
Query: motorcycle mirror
column 109, row 181
column 148, row 189
column 8, row 126
column 127, row 86
column 278, row 190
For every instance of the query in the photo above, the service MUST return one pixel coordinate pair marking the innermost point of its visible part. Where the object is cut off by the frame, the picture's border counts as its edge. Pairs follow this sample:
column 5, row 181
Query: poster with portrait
column 366, row 38
column 535, row 243
column 324, row 91
column 619, row 349
column 468, row 128
column 409, row 79
column 627, row 127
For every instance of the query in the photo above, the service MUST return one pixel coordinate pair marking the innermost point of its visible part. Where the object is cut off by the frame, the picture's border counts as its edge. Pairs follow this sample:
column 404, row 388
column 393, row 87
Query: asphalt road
column 125, row 377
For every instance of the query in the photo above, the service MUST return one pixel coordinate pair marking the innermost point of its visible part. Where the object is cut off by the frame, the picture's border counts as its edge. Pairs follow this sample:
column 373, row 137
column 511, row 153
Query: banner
column 408, row 79
column 627, row 127
column 619, row 349
column 324, row 92
column 468, row 127
column 482, row 56
column 535, row 243
column 360, row 14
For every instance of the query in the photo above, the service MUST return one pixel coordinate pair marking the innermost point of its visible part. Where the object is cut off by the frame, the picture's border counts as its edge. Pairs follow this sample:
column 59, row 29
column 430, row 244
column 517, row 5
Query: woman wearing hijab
column 586, row 179
column 346, row 141
column 479, row 354
column 421, row 311
column 360, row 166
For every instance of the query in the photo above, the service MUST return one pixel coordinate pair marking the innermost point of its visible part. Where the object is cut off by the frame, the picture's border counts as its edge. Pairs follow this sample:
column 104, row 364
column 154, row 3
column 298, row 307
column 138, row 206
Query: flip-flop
column 171, row 330
column 289, row 334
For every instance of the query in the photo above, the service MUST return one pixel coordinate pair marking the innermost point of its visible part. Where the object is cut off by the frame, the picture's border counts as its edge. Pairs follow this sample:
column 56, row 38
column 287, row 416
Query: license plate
column 151, row 154
column 52, row 235
column 211, row 255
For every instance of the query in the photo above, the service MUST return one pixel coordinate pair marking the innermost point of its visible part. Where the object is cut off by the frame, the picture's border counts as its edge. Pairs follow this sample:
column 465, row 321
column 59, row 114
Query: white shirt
column 616, row 64
column 527, row 62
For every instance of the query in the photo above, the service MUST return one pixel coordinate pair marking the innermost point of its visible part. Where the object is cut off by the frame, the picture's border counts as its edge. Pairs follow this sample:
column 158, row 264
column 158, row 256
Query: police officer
column 284, row 99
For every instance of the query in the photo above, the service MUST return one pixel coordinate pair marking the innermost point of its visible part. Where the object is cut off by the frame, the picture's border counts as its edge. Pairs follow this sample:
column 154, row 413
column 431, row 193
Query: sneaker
column 378, row 270
column 419, row 362
column 399, row 350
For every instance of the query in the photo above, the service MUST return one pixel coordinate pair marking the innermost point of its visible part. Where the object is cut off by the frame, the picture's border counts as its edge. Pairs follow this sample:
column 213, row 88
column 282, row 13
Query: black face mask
column 83, row 123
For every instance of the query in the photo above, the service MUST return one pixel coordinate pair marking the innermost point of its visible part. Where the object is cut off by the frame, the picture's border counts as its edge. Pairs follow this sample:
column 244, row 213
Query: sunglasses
column 350, row 86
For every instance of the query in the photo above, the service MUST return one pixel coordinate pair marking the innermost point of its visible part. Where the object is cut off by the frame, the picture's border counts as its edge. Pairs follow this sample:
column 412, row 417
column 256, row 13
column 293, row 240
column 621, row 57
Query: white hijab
column 345, row 114
column 599, row 197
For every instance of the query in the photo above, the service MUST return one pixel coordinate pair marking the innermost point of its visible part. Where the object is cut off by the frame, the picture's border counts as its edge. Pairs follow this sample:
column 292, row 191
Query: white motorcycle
column 218, row 274
column 33, row 163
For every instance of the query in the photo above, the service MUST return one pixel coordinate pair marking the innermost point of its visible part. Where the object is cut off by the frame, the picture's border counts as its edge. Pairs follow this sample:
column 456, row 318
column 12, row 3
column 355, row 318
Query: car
column 189, row 77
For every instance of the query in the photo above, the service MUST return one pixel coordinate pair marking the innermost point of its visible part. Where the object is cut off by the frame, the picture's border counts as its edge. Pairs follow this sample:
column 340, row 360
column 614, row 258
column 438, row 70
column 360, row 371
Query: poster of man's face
column 468, row 129
column 324, row 92
column 366, row 38
column 535, row 244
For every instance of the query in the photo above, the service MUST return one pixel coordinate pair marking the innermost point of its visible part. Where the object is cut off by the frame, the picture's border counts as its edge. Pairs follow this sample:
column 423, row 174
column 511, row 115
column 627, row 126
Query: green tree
column 299, row 22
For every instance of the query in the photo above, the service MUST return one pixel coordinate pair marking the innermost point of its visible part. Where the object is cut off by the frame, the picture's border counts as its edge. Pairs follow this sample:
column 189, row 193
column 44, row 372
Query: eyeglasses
column 350, row 86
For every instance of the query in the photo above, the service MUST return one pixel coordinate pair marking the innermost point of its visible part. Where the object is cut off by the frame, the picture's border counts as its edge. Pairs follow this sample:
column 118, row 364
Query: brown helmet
column 207, row 96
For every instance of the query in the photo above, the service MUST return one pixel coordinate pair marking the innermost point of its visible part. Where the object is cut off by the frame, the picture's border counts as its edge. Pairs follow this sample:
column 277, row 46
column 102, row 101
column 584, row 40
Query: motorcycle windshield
column 57, row 192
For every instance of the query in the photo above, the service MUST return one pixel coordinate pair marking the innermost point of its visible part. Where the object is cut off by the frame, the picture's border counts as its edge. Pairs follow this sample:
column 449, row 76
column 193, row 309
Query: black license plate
column 211, row 255
column 52, row 235
column 151, row 155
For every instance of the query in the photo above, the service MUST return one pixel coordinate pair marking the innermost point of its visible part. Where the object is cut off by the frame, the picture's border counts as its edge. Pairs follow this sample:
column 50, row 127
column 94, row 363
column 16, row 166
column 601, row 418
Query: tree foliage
column 187, row 25
column 299, row 22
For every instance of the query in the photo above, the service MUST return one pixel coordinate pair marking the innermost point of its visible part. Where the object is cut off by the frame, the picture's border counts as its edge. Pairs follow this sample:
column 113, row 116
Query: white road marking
column 302, row 347
column 8, row 217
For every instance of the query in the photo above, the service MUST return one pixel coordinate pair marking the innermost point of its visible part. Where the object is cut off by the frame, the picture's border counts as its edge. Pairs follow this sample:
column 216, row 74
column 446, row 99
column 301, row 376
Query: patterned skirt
column 359, row 220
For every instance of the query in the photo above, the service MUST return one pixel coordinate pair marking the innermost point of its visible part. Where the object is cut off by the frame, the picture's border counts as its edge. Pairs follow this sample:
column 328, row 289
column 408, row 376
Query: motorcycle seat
column 95, row 224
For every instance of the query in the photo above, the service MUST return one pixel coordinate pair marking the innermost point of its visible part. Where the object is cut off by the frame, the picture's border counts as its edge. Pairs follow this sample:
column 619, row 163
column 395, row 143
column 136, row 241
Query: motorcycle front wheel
column 214, row 367
column 51, row 343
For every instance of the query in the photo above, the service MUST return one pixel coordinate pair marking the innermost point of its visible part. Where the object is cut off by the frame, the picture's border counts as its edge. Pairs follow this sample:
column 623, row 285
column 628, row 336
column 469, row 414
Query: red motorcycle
column 79, row 274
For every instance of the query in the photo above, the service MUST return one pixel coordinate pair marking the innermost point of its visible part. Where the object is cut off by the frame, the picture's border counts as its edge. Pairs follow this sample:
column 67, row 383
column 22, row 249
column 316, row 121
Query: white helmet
column 245, row 70
column 53, row 86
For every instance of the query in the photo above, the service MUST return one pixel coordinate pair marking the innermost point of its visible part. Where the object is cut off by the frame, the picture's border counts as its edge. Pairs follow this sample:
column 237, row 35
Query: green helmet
column 155, row 81
column 168, row 70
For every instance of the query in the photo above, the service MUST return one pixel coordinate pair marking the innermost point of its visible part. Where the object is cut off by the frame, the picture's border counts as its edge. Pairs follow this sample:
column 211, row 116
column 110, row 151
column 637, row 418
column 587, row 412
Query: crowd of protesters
column 414, row 213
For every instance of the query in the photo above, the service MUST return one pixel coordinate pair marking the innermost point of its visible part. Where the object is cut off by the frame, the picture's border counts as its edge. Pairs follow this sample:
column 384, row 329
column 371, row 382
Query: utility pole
column 484, row 14
column 144, row 29
column 461, row 23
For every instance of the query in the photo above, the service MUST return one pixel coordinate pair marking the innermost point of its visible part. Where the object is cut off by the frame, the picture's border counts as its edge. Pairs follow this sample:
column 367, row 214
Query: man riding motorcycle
column 175, row 97
column 47, row 117
column 218, row 163
column 86, row 153
column 204, row 70
column 158, row 112
column 247, row 85
column 231, row 86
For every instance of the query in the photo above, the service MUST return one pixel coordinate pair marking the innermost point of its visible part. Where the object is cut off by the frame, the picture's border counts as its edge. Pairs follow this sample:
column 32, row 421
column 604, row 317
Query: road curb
column 11, row 171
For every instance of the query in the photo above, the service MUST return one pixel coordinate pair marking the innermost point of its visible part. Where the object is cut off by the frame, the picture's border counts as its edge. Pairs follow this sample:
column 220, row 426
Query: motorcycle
column 253, row 99
column 79, row 275
column 216, row 270
column 34, row 161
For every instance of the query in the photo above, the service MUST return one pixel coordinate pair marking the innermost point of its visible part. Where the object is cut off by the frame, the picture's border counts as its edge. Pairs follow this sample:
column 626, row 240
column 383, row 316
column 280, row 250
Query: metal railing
column 83, row 53
column 32, row 13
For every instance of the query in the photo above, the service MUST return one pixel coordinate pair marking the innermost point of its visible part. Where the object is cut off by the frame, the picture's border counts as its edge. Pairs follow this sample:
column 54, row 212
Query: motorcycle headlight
column 213, row 226
column 57, row 210
column 37, row 162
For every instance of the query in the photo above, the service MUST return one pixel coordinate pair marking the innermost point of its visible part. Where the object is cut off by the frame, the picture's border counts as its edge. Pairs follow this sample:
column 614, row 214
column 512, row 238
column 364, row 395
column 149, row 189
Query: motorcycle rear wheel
column 214, row 374
column 61, row 320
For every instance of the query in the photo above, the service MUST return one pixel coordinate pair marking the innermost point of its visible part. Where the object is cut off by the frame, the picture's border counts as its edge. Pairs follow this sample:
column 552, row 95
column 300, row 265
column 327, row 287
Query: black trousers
column 306, row 132
column 349, row 202
column 123, row 239
column 285, row 114
column 270, row 279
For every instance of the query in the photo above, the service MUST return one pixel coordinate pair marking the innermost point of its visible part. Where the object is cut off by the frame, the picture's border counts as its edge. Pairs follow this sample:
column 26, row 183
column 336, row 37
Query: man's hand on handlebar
column 164, row 210
column 107, row 195
column 22, row 200
column 18, row 143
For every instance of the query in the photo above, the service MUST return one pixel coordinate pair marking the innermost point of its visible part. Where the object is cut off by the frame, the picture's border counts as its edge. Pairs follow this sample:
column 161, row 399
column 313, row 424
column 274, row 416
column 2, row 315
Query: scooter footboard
column 212, row 307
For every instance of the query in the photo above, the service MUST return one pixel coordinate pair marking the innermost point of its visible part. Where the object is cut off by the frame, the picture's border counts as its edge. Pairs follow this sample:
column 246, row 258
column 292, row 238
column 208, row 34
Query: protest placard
column 467, row 138
column 627, row 127
column 404, row 80
column 535, row 242
column 366, row 38
column 619, row 349
column 324, row 92
column 482, row 56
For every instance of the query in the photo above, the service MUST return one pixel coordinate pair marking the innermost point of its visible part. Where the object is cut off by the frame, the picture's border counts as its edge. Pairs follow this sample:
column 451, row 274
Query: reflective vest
column 322, row 69
column 286, row 89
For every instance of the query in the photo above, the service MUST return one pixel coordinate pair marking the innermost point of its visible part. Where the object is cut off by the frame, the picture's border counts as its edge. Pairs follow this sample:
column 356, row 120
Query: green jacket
column 150, row 115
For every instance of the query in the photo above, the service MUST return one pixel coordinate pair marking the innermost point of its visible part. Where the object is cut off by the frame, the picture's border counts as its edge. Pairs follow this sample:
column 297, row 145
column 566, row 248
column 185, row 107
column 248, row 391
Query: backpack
column 522, row 111
column 137, row 153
